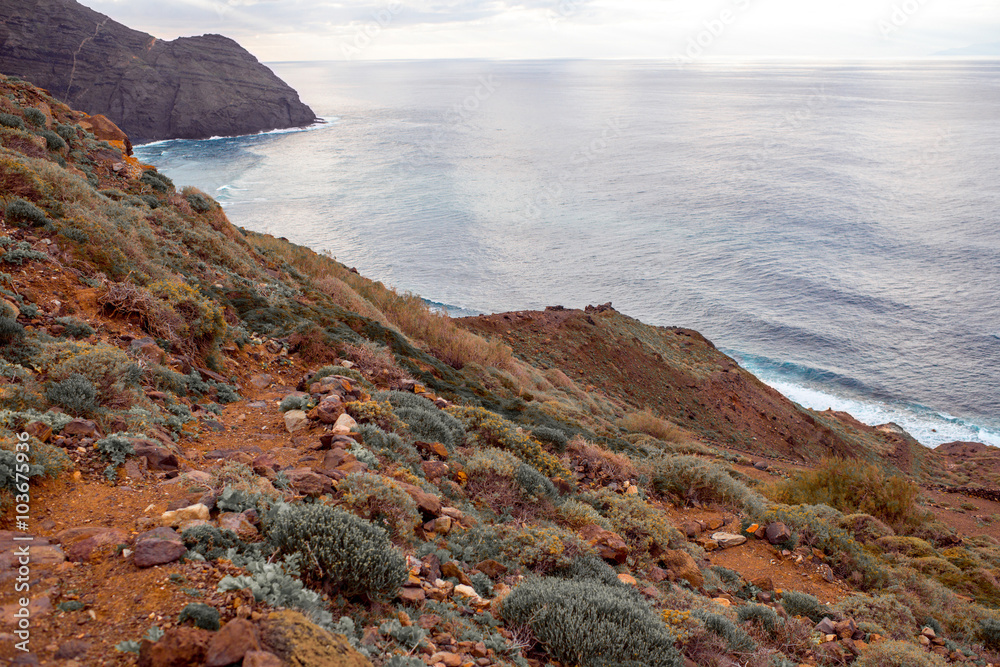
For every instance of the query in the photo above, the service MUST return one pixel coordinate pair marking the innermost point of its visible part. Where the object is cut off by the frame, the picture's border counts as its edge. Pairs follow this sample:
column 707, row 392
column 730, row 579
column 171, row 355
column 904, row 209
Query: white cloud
column 320, row 30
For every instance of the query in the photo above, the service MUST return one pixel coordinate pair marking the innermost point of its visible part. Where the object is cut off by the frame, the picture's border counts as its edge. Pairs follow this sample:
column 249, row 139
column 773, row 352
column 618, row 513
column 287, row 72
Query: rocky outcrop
column 188, row 88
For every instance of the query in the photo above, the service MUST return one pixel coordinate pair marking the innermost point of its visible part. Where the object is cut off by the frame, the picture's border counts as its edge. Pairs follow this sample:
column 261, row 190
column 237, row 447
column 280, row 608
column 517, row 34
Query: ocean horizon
column 832, row 226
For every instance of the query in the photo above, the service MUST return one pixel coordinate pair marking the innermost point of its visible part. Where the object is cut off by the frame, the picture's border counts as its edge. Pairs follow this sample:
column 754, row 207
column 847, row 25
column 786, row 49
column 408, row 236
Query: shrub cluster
column 76, row 394
column 25, row 214
column 590, row 624
column 382, row 502
column 487, row 429
column 339, row 551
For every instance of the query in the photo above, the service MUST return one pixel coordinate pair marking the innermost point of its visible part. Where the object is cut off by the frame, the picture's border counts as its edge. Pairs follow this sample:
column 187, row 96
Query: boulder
column 610, row 546
column 295, row 421
column 680, row 565
column 307, row 482
column 428, row 503
column 301, row 643
column 491, row 569
column 778, row 532
column 158, row 547
column 178, row 647
column 174, row 518
column 345, row 424
column 81, row 428
column 157, row 456
column 231, row 643
column 728, row 540
column 432, row 449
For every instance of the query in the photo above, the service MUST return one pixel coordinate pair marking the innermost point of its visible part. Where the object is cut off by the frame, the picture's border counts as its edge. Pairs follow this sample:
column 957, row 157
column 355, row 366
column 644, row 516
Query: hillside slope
column 190, row 88
column 239, row 452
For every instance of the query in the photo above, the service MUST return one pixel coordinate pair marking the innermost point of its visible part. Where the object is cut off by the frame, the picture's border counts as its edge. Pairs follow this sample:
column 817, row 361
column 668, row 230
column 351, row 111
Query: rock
column 261, row 380
column 657, row 574
column 446, row 659
column 301, row 643
column 158, row 547
column 261, row 659
column 38, row 607
column 610, row 546
column 761, row 465
column 826, row 626
column 428, row 503
column 43, row 432
column 430, row 567
column 239, row 524
column 231, row 643
column 157, row 456
column 80, row 428
column 714, row 523
column 491, row 569
column 308, row 483
column 178, row 647
column 722, row 601
column 466, row 591
column 327, row 412
column 434, row 470
column 753, row 528
column 681, row 565
column 928, row 632
column 778, row 532
column 411, row 595
column 452, row 570
column 174, row 518
column 442, row 525
column 826, row 572
column 627, row 579
column 763, row 583
column 708, row 545
column 10, row 309
column 728, row 540
column 691, row 529
column 295, row 421
column 345, row 424
column 148, row 350
column 432, row 449
column 82, row 550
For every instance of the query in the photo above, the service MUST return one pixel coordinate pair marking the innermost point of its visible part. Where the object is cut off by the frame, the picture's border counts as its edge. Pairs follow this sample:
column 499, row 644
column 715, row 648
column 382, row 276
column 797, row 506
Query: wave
column 323, row 122
column 451, row 310
column 817, row 389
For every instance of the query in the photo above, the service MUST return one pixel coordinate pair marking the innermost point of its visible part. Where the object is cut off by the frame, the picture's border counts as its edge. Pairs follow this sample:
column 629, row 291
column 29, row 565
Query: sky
column 295, row 30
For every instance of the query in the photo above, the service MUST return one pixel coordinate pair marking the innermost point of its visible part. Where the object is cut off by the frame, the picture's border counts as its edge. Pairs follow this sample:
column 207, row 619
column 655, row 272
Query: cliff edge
column 188, row 88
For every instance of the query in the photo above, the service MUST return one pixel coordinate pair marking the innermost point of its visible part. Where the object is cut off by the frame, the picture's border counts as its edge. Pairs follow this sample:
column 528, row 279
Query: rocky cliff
column 188, row 88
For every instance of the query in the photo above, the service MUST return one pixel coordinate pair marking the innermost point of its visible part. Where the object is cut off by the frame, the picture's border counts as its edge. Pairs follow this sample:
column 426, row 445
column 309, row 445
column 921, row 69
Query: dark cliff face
column 190, row 88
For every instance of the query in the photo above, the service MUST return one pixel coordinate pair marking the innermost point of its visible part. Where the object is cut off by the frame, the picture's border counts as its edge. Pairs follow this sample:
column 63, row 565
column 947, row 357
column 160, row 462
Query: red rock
column 609, row 545
column 428, row 503
column 38, row 430
column 691, row 529
column 432, row 449
column 83, row 428
column 157, row 456
column 158, row 551
column 231, row 643
column 80, row 546
column 491, row 569
column 777, row 533
column 451, row 569
column 412, row 595
column 680, row 565
column 434, row 469
column 307, row 482
column 429, row 621
column 178, row 647
column 656, row 575
column 261, row 659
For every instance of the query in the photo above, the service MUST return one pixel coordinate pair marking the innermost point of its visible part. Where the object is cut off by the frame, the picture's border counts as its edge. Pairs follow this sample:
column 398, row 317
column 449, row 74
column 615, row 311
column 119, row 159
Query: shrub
column 199, row 202
column 645, row 529
column 886, row 611
column 487, row 429
column 759, row 614
column 586, row 623
column 157, row 181
column 10, row 120
column 75, row 328
column 295, row 403
column 864, row 527
column 648, row 423
column 10, row 330
column 692, row 478
column 35, row 116
column 115, row 449
column 552, row 436
column 432, row 425
column 737, row 639
column 203, row 616
column 853, row 487
column 577, row 515
column 21, row 253
column 534, row 483
column 210, row 541
column 989, row 631
column 541, row 549
column 25, row 214
column 340, row 551
column 381, row 501
column 389, row 445
column 76, row 394
column 203, row 321
column 52, row 140
column 374, row 412
column 275, row 584
column 913, row 547
column 110, row 369
column 898, row 654
column 350, row 374
column 803, row 604
column 67, row 132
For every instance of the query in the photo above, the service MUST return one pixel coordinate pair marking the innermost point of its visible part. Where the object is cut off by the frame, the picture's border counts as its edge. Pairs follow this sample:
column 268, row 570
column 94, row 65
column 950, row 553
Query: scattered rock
column 301, row 643
column 434, row 470
column 491, row 569
column 432, row 449
column 295, row 421
column 345, row 424
column 261, row 381
column 728, row 540
column 778, row 532
column 239, row 524
column 231, row 643
column 307, row 482
column 80, row 428
column 610, row 546
column 158, row 547
column 428, row 503
column 412, row 595
column 627, row 579
column 261, row 659
column 174, row 518
column 178, row 646
column 157, row 457
column 74, row 648
column 680, row 565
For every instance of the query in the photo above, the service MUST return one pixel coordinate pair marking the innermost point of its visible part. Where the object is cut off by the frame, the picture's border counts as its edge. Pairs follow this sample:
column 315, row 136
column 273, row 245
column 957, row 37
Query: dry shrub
column 154, row 316
column 558, row 378
column 601, row 463
column 345, row 296
column 312, row 344
column 648, row 423
column 17, row 180
column 376, row 362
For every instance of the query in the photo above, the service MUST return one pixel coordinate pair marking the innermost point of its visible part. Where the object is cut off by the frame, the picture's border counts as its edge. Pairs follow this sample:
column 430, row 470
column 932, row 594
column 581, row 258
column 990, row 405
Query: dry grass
column 648, row 423
column 601, row 463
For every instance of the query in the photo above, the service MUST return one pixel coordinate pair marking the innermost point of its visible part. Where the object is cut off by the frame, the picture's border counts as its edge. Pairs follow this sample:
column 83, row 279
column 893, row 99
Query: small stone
column 196, row 512
column 452, row 570
column 434, row 470
column 627, row 579
column 74, row 648
column 610, row 546
column 928, row 632
column 432, row 449
column 412, row 595
column 231, row 643
column 778, row 532
column 158, row 551
column 722, row 601
column 714, row 523
column 261, row 659
column 826, row 627
column 466, row 591
column 345, row 424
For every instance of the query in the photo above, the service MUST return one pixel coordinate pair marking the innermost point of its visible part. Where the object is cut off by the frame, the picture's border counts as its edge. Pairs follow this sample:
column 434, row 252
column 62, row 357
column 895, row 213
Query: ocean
column 835, row 227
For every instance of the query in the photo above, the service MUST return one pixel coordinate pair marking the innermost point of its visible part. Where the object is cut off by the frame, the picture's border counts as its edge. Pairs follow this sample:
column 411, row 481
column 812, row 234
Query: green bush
column 534, row 483
column 389, row 445
column 10, row 330
column 760, row 614
column 76, row 394
column 67, row 132
column 157, row 181
column 21, row 253
column 587, row 623
column 35, row 116
column 552, row 436
column 210, row 541
column 203, row 616
column 886, row 611
column 52, row 140
column 864, row 527
column 432, row 425
column 689, row 477
column 803, row 604
column 913, row 547
column 276, row 584
column 989, row 631
column 289, row 403
column 199, row 202
column 25, row 214
column 339, row 551
column 898, row 654
column 75, row 328
column 381, row 501
column 487, row 429
column 116, row 450
column 737, row 639
column 10, row 120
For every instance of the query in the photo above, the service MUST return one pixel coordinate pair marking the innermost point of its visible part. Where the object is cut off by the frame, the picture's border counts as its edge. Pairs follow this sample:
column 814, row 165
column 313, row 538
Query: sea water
column 833, row 226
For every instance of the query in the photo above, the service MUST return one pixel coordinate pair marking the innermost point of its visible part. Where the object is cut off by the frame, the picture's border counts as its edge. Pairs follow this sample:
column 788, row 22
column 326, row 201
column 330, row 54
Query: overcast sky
column 280, row 30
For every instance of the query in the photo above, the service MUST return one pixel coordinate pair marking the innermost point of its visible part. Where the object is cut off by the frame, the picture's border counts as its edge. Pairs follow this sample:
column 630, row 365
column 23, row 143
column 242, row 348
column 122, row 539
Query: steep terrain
column 239, row 452
column 190, row 88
